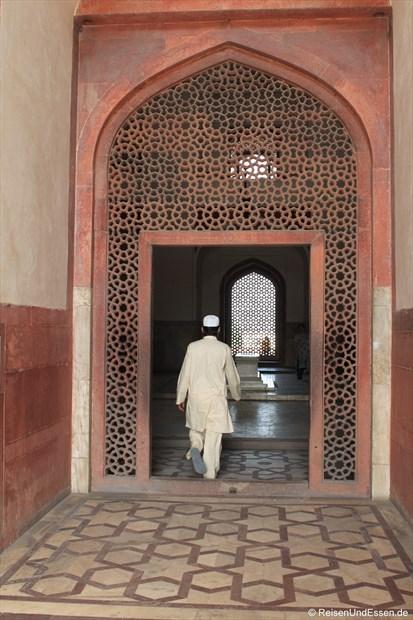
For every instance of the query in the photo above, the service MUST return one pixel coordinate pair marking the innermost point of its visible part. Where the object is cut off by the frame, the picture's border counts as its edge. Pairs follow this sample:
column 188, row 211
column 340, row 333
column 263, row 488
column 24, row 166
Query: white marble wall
column 382, row 316
column 81, row 389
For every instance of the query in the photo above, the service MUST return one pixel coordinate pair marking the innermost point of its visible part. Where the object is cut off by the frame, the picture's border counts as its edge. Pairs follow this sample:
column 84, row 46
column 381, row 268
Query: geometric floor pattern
column 281, row 465
column 152, row 557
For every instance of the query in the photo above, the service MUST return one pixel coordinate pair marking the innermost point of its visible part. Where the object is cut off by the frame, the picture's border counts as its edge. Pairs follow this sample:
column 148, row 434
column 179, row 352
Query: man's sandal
column 198, row 461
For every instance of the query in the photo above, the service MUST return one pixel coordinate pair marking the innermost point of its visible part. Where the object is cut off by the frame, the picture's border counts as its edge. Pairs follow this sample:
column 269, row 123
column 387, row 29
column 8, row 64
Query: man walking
column 207, row 366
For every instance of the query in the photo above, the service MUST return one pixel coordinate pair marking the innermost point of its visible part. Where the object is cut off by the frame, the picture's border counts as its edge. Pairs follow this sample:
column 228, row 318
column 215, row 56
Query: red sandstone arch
column 99, row 146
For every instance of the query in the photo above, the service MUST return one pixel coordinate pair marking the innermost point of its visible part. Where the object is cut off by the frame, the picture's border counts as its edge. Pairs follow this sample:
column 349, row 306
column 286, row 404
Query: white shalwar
column 207, row 367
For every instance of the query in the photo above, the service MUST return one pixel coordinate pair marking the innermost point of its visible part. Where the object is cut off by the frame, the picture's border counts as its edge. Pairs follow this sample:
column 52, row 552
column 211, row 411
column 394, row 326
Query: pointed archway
column 343, row 431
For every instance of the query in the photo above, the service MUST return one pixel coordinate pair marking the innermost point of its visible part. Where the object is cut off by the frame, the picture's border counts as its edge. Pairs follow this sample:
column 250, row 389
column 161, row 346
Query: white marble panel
column 382, row 296
column 381, row 344
column 82, row 344
column 82, row 296
column 81, row 388
column 381, row 424
column 80, row 445
column 380, row 482
column 80, row 475
column 381, row 392
column 81, row 395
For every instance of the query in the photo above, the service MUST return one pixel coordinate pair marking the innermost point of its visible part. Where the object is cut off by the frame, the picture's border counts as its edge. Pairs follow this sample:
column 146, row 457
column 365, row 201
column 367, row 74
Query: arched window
column 254, row 303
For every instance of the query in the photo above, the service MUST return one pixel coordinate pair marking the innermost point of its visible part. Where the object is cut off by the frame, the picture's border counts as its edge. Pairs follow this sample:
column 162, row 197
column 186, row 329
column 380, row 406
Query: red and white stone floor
column 191, row 558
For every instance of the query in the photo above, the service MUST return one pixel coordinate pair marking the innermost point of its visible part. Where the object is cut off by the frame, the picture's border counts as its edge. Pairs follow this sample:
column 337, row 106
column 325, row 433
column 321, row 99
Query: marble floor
column 246, row 464
column 286, row 420
column 210, row 558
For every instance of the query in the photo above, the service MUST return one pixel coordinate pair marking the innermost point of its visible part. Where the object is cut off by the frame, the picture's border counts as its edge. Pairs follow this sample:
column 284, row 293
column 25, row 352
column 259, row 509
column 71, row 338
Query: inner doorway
column 261, row 294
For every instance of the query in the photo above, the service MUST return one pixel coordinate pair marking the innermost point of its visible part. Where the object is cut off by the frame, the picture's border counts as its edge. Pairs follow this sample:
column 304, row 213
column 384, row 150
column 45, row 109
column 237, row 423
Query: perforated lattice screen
column 180, row 162
column 254, row 320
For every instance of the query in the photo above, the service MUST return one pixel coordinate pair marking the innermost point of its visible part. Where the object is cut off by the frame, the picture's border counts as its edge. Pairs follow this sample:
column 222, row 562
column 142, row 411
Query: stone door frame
column 148, row 240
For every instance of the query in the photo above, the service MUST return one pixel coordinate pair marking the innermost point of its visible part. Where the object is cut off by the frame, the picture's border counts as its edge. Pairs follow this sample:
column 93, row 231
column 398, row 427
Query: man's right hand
column 181, row 407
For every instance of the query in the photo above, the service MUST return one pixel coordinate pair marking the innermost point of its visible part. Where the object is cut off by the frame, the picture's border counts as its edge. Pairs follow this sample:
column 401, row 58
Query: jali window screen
column 254, row 304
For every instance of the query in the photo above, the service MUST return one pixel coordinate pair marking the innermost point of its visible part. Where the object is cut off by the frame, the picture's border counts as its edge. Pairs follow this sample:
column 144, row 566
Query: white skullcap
column 210, row 320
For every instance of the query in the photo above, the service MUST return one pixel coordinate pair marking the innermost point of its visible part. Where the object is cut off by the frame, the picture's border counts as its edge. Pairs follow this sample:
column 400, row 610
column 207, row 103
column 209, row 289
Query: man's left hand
column 181, row 407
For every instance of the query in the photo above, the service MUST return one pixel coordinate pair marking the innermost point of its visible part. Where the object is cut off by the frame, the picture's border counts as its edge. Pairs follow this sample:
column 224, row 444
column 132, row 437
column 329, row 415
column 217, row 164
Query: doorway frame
column 143, row 481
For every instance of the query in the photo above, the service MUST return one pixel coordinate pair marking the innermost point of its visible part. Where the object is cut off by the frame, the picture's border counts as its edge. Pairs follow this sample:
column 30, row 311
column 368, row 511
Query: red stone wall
column 35, row 413
column 401, row 470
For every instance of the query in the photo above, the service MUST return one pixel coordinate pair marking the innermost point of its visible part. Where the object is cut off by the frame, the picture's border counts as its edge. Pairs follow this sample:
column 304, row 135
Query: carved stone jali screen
column 233, row 148
column 254, row 316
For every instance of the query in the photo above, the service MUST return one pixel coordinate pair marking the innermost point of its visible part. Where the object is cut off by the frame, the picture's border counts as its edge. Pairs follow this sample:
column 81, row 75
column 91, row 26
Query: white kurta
column 207, row 367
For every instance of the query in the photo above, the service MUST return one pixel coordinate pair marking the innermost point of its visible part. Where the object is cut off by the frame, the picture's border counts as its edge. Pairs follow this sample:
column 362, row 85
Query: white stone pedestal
column 247, row 366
